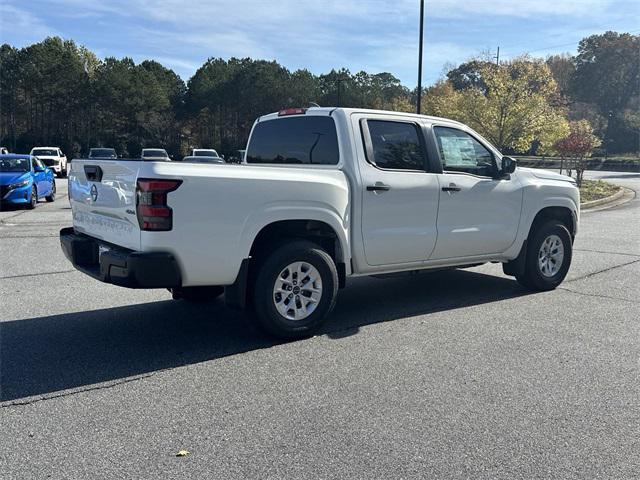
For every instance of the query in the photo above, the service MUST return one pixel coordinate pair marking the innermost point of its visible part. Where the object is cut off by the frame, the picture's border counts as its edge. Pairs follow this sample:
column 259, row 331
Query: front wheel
column 549, row 253
column 33, row 200
column 295, row 290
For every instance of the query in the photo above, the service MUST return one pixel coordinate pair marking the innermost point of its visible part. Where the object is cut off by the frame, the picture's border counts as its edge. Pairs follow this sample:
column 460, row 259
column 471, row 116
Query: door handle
column 451, row 188
column 378, row 187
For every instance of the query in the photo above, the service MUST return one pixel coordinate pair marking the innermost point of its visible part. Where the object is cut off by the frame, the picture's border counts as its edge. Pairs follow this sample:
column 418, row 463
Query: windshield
column 14, row 165
column 102, row 152
column 154, row 153
column 44, row 152
column 205, row 153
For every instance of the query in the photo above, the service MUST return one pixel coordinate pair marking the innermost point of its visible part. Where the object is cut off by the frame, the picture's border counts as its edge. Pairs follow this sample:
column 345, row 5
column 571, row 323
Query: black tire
column 198, row 294
column 533, row 277
column 267, row 315
column 52, row 196
column 33, row 201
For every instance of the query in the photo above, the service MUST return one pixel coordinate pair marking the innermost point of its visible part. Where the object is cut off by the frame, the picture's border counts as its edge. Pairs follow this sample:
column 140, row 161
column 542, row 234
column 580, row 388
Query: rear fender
column 308, row 211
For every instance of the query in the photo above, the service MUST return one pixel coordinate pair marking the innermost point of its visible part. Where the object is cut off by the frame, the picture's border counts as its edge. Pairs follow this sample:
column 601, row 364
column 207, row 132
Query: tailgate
column 102, row 194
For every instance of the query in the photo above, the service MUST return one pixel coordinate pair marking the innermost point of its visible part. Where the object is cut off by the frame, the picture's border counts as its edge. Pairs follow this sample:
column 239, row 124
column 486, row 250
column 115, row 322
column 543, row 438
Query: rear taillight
column 151, row 204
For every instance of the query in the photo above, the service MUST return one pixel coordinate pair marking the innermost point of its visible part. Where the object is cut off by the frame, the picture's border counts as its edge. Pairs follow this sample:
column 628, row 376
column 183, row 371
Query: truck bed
column 217, row 210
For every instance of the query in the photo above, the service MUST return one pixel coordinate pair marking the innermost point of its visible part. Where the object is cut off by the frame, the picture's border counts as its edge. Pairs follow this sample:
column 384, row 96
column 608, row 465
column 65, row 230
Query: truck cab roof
column 330, row 111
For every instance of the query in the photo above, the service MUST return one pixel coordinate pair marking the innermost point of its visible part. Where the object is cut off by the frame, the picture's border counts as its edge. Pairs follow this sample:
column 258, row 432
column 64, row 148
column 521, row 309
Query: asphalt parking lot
column 459, row 374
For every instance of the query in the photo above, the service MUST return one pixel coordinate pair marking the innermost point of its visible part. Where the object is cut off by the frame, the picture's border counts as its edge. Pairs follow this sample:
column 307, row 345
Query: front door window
column 460, row 152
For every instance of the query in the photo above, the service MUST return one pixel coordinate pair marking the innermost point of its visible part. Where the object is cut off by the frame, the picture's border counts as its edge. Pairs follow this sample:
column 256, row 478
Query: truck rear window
column 297, row 140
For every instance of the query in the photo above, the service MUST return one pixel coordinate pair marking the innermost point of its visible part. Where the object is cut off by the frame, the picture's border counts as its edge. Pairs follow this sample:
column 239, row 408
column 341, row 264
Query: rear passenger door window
column 395, row 145
column 460, row 152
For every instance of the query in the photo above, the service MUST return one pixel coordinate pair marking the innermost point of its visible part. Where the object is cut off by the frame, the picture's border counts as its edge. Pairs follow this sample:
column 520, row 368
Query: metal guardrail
column 608, row 165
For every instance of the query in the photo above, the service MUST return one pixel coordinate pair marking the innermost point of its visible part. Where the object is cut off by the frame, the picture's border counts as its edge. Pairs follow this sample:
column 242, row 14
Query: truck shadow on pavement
column 47, row 355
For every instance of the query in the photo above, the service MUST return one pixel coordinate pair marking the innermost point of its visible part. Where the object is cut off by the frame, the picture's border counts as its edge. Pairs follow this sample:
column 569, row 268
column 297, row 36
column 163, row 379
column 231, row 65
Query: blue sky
column 373, row 35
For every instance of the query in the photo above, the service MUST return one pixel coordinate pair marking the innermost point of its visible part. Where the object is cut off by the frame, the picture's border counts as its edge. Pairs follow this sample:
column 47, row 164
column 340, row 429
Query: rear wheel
column 33, row 199
column 295, row 289
column 52, row 196
column 548, row 259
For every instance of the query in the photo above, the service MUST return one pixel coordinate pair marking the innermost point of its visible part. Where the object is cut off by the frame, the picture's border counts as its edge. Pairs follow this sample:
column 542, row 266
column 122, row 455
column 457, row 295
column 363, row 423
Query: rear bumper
column 120, row 266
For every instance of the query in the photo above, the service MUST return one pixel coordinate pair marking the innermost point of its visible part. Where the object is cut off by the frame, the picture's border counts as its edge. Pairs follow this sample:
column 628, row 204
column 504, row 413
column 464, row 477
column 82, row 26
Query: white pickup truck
column 324, row 194
column 53, row 158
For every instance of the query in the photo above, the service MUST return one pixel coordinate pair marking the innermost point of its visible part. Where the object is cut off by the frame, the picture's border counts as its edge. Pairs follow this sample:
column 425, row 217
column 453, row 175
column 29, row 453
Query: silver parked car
column 102, row 153
column 155, row 155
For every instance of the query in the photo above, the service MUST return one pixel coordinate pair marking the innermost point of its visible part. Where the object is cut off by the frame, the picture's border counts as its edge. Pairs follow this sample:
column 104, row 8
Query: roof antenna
column 313, row 104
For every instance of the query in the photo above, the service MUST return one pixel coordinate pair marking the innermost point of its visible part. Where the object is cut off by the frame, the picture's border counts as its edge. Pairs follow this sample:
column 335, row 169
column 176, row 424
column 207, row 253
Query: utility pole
column 420, row 57
column 497, row 57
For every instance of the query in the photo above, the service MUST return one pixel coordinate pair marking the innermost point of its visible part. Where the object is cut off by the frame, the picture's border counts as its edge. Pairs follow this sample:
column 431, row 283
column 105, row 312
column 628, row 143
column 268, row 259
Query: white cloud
column 175, row 63
column 223, row 43
column 517, row 8
column 17, row 20
column 375, row 35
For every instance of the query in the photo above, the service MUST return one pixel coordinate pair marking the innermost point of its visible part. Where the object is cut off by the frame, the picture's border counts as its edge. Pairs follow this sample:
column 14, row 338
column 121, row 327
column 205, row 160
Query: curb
column 603, row 201
column 600, row 202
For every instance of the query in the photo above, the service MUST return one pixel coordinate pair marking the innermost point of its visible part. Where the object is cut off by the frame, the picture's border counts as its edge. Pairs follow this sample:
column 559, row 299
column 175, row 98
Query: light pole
column 420, row 57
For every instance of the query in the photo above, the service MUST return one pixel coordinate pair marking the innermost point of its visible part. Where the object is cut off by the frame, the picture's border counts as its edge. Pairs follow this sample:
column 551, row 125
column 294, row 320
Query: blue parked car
column 24, row 179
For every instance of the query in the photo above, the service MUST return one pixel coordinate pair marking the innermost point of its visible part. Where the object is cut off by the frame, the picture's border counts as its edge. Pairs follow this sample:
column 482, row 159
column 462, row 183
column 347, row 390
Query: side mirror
column 38, row 169
column 508, row 165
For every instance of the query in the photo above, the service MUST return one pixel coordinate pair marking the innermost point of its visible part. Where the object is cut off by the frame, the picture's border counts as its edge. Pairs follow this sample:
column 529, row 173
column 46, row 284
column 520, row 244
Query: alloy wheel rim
column 550, row 256
column 297, row 291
